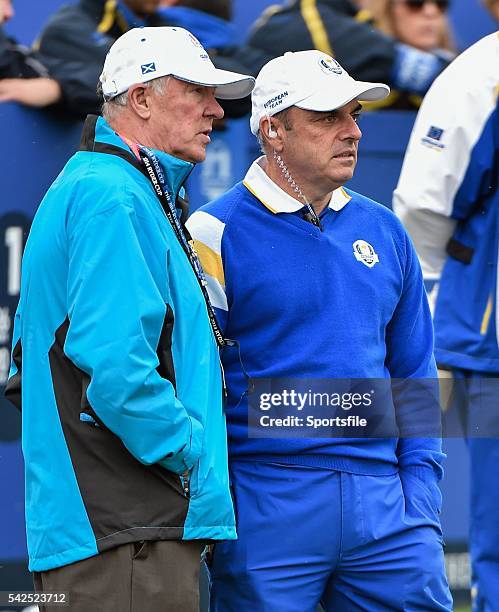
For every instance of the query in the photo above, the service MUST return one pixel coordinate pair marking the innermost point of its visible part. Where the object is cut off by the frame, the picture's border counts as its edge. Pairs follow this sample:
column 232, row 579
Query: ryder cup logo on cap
column 305, row 79
column 143, row 54
column 328, row 64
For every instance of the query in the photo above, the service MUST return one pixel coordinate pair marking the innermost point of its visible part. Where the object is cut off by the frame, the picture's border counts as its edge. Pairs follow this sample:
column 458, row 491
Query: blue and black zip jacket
column 115, row 367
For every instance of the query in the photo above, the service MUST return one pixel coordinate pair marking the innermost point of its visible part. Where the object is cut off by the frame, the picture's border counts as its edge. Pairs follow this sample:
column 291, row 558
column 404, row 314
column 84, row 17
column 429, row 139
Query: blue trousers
column 309, row 535
column 476, row 396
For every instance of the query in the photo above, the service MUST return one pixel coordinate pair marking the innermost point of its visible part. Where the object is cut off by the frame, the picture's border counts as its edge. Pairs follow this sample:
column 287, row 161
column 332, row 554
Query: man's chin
column 194, row 157
column 199, row 157
column 344, row 177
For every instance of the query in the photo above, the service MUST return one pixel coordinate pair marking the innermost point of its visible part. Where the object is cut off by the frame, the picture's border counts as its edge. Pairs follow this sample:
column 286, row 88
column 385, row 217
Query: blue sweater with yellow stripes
column 344, row 302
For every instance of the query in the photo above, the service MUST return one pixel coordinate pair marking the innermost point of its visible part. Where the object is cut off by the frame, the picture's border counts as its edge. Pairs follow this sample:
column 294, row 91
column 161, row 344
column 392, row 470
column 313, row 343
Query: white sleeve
column 448, row 125
column 430, row 233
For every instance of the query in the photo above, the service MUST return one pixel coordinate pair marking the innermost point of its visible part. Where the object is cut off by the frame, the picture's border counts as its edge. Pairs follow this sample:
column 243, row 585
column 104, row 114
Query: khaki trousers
column 159, row 576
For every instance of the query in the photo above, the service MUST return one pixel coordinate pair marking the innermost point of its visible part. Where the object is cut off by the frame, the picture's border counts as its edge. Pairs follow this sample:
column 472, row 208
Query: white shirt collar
column 275, row 199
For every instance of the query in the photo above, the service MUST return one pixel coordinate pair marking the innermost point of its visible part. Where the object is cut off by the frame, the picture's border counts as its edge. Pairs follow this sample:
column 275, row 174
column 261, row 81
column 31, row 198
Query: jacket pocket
column 166, row 367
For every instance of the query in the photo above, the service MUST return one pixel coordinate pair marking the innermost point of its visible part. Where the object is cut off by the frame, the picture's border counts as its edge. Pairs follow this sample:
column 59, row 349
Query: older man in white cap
column 115, row 352
column 317, row 283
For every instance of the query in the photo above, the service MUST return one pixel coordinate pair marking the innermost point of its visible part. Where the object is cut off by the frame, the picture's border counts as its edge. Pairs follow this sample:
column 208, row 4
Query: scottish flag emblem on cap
column 143, row 54
column 147, row 68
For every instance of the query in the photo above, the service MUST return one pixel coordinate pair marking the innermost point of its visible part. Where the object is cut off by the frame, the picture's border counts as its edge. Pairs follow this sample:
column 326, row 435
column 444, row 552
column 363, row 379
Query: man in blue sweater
column 314, row 281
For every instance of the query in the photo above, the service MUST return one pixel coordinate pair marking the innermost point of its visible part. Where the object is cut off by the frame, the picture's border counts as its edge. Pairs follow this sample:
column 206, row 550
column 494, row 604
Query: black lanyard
column 155, row 174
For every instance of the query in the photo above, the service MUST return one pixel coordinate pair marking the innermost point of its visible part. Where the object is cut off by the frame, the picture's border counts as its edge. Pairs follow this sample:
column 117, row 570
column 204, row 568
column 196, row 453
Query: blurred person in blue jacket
column 115, row 362
column 76, row 39
column 211, row 22
column 448, row 199
column 208, row 20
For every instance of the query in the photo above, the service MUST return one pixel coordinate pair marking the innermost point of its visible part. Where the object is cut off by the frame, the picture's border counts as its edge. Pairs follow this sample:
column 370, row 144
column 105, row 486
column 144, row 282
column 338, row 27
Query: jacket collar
column 110, row 16
column 94, row 7
column 275, row 199
column 342, row 6
column 96, row 130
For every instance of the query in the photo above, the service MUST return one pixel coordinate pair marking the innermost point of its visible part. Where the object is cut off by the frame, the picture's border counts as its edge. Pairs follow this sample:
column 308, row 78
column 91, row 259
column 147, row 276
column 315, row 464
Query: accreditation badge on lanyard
column 154, row 172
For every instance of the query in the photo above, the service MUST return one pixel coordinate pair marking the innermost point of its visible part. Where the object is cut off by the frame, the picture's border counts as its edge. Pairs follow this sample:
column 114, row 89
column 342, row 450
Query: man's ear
column 270, row 131
column 139, row 100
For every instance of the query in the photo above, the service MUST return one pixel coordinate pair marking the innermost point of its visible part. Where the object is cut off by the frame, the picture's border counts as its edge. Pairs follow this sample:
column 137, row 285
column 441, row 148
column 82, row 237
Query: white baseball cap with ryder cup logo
column 310, row 80
column 143, row 54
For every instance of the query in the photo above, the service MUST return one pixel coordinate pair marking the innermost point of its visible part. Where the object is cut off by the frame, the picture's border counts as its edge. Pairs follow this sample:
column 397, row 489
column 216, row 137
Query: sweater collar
column 275, row 199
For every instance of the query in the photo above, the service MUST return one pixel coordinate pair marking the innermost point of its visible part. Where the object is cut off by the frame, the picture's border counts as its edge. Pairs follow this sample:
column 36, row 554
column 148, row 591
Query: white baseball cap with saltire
column 144, row 54
column 311, row 80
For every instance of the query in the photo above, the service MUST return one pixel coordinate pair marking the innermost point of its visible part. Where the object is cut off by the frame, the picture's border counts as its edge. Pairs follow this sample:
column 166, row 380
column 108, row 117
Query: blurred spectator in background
column 210, row 22
column 75, row 42
column 339, row 28
column 17, row 62
column 493, row 6
column 422, row 24
column 448, row 199
column 76, row 39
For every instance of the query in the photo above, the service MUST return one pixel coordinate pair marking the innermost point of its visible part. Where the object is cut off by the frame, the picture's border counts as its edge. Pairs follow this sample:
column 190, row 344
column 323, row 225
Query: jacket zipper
column 185, row 480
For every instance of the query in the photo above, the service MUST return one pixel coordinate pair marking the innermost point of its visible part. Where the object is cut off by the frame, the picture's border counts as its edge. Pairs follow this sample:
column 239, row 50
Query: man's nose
column 430, row 9
column 351, row 130
column 215, row 110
